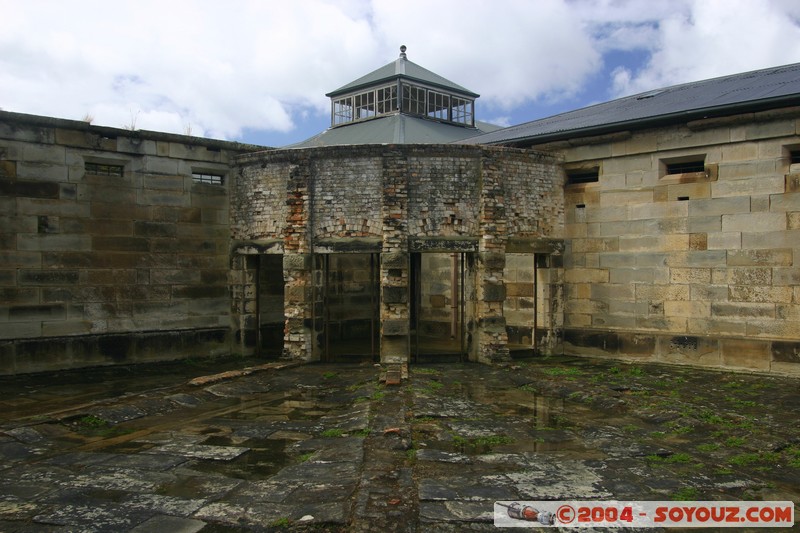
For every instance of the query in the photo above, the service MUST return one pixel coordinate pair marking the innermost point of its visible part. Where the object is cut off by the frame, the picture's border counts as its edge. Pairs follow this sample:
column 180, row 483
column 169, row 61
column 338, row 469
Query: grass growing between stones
column 94, row 426
column 675, row 458
column 423, row 370
column 569, row 372
column 281, row 523
column 685, row 494
column 479, row 445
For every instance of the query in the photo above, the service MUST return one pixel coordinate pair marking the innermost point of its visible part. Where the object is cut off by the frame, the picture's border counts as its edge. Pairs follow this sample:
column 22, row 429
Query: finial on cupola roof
column 403, row 51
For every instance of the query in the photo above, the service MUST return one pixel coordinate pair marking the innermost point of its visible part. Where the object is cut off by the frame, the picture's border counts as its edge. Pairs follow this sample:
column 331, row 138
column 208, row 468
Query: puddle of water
column 40, row 393
column 544, row 411
column 129, row 447
column 523, row 421
column 265, row 458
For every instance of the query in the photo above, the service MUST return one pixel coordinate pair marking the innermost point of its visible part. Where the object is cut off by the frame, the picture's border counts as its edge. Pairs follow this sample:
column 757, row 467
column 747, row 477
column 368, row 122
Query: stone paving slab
column 199, row 451
column 330, row 448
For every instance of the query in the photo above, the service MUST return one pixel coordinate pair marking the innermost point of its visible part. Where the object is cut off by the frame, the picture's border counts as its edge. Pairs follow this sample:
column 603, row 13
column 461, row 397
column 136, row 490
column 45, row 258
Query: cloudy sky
column 257, row 70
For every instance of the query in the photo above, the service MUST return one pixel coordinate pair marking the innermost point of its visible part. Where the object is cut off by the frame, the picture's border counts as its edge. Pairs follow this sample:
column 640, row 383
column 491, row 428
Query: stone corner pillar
column 297, row 307
column 395, row 345
column 394, row 269
column 493, row 227
column 492, row 335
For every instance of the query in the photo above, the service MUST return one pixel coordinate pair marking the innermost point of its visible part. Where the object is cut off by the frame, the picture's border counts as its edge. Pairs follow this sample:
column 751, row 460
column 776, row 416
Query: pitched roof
column 738, row 93
column 394, row 129
column 404, row 68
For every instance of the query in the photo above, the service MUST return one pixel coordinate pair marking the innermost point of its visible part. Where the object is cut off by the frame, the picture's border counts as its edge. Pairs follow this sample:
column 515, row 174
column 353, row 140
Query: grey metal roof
column 738, row 93
column 401, row 68
column 394, row 129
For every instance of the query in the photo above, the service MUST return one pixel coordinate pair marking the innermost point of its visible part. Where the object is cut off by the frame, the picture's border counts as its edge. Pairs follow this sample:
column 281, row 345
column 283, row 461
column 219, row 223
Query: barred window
column 102, row 169
column 204, row 177
column 686, row 166
column 584, row 175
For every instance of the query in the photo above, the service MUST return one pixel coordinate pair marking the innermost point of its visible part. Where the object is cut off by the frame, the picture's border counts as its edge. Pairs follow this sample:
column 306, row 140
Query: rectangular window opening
column 581, row 176
column 413, row 100
column 461, row 110
column 438, row 105
column 203, row 177
column 683, row 198
column 365, row 105
column 103, row 169
column 684, row 167
column 342, row 111
column 794, row 157
column 387, row 99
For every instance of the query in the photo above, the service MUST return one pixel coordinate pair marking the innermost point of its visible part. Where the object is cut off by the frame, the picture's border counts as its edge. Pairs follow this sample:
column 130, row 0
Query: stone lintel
column 348, row 245
column 443, row 244
column 261, row 246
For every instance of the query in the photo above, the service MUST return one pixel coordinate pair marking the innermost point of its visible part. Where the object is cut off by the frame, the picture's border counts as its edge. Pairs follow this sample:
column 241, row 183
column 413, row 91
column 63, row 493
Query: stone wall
column 698, row 268
column 97, row 268
column 396, row 200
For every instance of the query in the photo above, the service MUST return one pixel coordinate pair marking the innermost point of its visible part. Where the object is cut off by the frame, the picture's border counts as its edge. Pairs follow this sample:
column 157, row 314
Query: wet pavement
column 331, row 448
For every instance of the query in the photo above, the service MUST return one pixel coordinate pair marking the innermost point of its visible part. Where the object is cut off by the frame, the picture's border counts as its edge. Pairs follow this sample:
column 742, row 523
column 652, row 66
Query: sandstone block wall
column 97, row 268
column 698, row 268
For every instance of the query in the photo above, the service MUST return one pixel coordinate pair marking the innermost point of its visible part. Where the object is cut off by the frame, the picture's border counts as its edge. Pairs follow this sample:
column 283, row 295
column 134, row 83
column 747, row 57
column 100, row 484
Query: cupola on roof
column 402, row 68
column 400, row 102
column 403, row 87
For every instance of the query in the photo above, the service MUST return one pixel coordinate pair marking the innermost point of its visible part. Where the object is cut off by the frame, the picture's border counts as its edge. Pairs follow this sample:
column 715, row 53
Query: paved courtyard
column 186, row 447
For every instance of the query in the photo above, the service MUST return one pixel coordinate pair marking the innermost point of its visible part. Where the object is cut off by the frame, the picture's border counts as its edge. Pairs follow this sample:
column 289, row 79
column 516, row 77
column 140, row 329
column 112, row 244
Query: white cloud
column 714, row 38
column 223, row 68
column 220, row 66
column 509, row 52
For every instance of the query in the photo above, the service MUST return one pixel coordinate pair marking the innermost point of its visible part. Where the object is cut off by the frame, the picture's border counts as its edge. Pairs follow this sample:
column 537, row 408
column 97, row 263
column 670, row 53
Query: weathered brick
column 754, row 222
column 690, row 275
column 48, row 277
column 719, row 206
column 120, row 244
column 53, row 242
column 586, row 275
column 745, row 353
column 779, row 257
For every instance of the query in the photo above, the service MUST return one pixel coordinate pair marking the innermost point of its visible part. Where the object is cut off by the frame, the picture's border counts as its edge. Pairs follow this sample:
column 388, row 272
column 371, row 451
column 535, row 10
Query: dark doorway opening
column 442, row 293
column 527, row 304
column 346, row 300
column 270, row 306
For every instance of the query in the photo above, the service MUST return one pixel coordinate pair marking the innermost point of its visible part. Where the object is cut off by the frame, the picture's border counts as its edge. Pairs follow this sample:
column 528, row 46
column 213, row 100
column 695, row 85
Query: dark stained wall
column 98, row 268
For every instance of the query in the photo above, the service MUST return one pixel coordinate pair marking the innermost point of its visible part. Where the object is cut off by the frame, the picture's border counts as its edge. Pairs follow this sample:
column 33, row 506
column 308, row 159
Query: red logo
column 565, row 514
